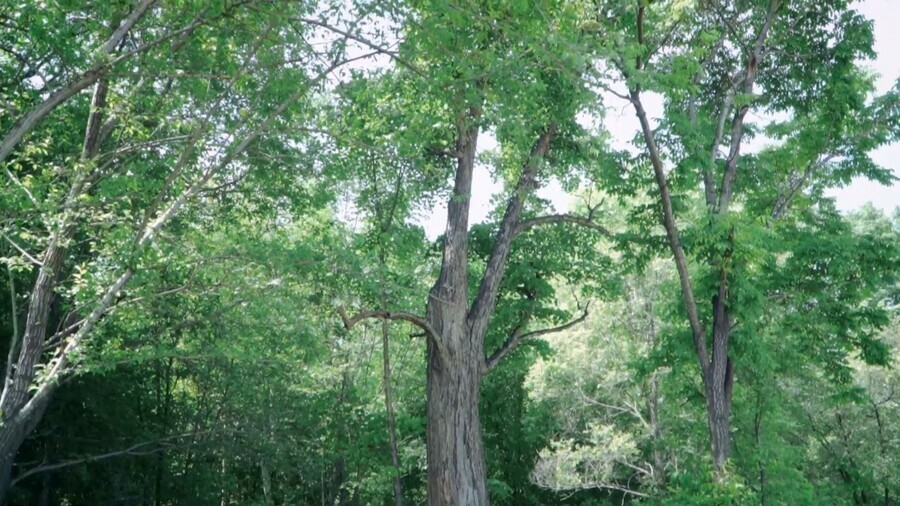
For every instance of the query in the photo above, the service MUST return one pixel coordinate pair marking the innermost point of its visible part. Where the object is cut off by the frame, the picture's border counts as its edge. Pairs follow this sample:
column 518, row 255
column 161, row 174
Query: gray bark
column 456, row 469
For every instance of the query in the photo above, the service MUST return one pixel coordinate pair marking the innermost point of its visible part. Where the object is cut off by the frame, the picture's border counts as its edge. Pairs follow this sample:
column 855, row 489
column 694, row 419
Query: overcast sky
column 622, row 124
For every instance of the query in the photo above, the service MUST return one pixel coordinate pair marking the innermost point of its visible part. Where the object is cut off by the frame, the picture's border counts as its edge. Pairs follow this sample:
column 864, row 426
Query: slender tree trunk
column 757, row 432
column 386, row 364
column 882, row 445
column 719, row 382
column 389, row 407
column 659, row 459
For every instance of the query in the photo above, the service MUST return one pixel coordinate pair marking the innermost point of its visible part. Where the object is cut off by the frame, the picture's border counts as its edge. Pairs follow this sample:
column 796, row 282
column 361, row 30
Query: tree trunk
column 757, row 432
column 659, row 460
column 20, row 411
column 15, row 431
column 719, row 381
column 389, row 407
column 456, row 470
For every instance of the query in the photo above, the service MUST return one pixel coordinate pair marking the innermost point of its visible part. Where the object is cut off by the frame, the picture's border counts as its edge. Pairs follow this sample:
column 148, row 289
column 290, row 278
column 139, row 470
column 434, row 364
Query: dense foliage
column 218, row 288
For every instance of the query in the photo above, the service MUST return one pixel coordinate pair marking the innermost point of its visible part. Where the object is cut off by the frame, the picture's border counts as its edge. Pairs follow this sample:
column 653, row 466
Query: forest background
column 455, row 253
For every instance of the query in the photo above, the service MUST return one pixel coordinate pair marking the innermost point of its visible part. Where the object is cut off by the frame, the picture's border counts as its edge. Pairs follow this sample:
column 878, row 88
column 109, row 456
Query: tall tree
column 713, row 64
column 529, row 99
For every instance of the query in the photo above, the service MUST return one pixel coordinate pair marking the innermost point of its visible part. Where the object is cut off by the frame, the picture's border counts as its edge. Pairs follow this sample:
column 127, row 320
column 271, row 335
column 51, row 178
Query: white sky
column 622, row 124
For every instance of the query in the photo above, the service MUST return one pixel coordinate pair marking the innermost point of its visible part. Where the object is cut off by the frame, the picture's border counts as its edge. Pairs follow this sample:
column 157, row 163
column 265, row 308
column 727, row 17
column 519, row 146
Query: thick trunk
column 15, row 431
column 456, row 470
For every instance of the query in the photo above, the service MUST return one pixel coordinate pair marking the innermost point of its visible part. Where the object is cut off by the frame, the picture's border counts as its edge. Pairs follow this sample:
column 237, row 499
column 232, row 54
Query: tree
column 712, row 64
column 182, row 96
column 530, row 99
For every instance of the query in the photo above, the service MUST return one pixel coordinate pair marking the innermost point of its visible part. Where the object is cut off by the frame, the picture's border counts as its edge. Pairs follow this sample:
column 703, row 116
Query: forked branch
column 485, row 301
column 518, row 335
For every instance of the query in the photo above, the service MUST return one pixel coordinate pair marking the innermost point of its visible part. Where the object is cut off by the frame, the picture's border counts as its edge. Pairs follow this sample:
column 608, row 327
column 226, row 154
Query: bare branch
column 371, row 45
column 139, row 449
column 518, row 336
column 24, row 253
column 421, row 322
column 350, row 322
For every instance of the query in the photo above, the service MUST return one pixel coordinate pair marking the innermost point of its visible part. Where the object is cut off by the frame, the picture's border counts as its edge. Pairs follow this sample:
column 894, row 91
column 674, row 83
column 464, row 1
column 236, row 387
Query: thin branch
column 24, row 253
column 16, row 181
column 518, row 336
column 371, row 45
column 14, row 342
column 737, row 124
column 134, row 450
column 783, row 200
column 142, row 145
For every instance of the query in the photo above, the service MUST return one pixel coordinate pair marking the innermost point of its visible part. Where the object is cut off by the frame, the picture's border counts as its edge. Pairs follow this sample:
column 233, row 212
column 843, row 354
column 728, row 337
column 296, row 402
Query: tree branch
column 134, row 450
column 143, row 237
column 14, row 341
column 687, row 292
column 365, row 42
column 518, row 336
column 422, row 323
column 24, row 253
column 24, row 125
column 737, row 124
column 350, row 322
column 484, row 302
column 587, row 222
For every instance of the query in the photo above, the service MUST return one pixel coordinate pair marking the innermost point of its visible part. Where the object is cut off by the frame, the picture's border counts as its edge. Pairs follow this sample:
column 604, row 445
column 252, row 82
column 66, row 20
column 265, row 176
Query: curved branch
column 89, row 77
column 418, row 321
column 518, row 336
column 582, row 221
column 158, row 445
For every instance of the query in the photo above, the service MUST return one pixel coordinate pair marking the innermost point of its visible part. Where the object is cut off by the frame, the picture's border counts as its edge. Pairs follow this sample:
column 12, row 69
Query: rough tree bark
column 18, row 422
column 455, row 454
